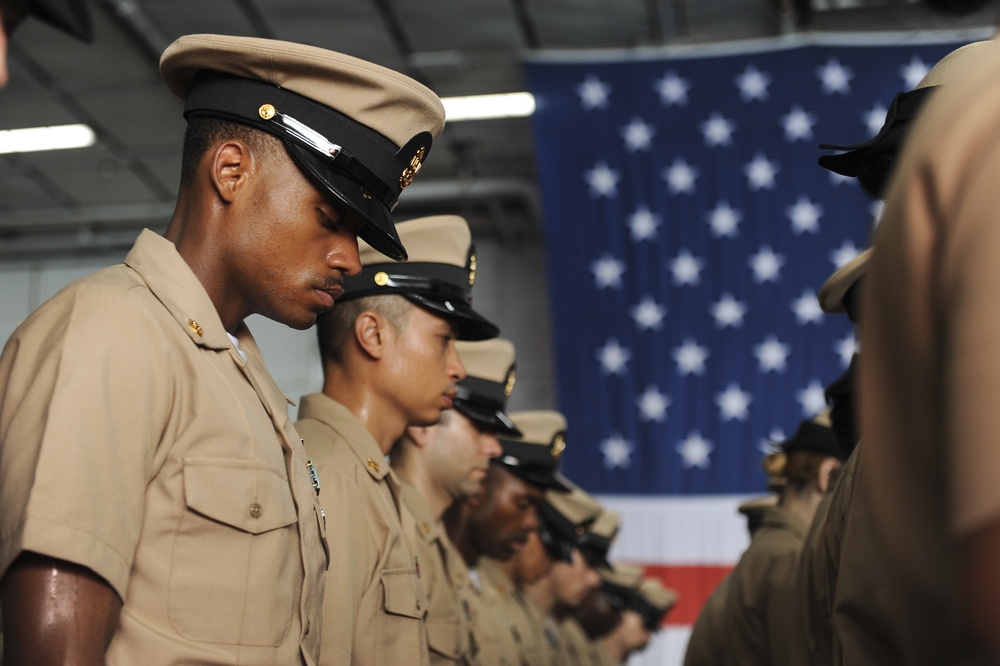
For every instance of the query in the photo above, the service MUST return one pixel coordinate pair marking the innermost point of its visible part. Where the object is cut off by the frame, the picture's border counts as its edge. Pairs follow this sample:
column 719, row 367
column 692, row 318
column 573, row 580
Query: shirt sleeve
column 86, row 389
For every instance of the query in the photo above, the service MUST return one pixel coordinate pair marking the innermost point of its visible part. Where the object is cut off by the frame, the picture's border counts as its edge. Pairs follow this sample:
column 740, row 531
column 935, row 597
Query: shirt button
column 256, row 510
column 308, row 626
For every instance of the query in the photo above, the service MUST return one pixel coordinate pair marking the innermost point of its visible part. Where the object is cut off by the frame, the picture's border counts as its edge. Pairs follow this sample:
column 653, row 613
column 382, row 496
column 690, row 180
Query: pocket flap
column 250, row 498
column 444, row 639
column 403, row 595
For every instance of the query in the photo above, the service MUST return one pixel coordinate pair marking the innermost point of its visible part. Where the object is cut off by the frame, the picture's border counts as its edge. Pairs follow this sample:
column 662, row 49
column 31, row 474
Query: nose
column 490, row 445
column 530, row 523
column 456, row 370
column 344, row 255
column 592, row 578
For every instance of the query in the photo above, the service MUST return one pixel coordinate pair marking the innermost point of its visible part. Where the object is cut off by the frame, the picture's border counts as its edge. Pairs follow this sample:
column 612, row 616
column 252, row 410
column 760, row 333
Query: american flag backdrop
column 688, row 230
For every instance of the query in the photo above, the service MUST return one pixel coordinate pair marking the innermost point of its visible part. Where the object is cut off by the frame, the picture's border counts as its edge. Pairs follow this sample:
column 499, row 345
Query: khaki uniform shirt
column 602, row 656
column 492, row 642
column 574, row 647
column 375, row 606
column 753, row 624
column 930, row 370
column 135, row 441
column 521, row 615
column 442, row 575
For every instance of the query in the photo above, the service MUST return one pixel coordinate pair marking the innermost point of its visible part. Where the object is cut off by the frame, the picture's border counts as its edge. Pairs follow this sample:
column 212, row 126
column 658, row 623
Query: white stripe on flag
column 679, row 529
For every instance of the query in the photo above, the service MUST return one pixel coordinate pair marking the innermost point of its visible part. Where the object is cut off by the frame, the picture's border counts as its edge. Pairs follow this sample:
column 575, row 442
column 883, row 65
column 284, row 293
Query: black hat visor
column 902, row 110
column 483, row 401
column 70, row 16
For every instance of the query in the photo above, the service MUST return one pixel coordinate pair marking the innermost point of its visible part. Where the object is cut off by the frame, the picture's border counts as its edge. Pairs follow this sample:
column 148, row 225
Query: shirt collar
column 175, row 285
column 323, row 408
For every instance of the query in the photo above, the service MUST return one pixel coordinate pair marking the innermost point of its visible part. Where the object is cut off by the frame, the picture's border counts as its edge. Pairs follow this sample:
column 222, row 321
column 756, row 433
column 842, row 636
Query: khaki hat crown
column 438, row 276
column 392, row 104
column 577, row 507
column 959, row 62
column 492, row 360
column 359, row 131
column 625, row 576
column 657, row 595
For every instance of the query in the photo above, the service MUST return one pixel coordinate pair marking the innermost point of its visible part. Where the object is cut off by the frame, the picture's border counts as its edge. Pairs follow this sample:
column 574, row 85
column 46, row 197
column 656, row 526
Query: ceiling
column 85, row 200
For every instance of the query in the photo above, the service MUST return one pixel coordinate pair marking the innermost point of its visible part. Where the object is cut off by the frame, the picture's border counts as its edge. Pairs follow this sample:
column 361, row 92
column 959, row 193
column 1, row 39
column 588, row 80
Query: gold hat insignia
column 411, row 171
column 558, row 445
column 509, row 386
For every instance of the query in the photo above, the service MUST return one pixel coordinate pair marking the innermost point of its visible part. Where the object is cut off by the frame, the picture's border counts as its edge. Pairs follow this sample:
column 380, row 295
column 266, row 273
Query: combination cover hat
column 620, row 583
column 595, row 542
column 70, row 16
column 360, row 131
column 653, row 602
column 489, row 380
column 815, row 437
column 535, row 455
column 438, row 276
column 902, row 111
column 564, row 518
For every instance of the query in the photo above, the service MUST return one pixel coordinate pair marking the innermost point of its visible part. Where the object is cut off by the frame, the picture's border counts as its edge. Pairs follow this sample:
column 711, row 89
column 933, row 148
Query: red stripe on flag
column 694, row 584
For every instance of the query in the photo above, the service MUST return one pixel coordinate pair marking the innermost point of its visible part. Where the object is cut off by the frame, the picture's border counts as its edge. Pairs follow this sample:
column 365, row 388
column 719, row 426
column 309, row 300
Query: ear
column 370, row 331
column 823, row 475
column 230, row 168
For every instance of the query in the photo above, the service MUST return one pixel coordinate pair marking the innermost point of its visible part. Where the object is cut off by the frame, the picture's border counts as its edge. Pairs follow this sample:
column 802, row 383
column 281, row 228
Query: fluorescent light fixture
column 482, row 107
column 55, row 137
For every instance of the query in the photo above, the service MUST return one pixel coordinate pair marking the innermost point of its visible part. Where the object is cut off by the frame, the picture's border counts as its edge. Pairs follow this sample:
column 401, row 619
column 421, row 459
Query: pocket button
column 256, row 510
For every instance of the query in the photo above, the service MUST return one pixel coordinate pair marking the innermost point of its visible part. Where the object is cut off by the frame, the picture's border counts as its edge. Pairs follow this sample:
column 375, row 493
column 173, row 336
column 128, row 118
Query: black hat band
column 617, row 595
column 523, row 454
column 434, row 280
column 594, row 548
column 348, row 146
column 651, row 615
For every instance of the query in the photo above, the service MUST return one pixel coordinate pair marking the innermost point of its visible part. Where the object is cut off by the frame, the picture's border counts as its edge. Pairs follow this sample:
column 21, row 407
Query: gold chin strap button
column 266, row 111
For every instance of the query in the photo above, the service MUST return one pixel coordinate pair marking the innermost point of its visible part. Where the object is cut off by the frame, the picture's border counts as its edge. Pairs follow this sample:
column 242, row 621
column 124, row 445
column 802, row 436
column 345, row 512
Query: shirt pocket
column 403, row 594
column 235, row 571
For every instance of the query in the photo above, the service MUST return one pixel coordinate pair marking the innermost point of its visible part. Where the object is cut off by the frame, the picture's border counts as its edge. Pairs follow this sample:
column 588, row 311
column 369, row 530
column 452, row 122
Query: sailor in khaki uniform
column 602, row 612
column 562, row 524
column 641, row 619
column 565, row 521
column 929, row 377
column 841, row 591
column 447, row 463
column 499, row 522
column 156, row 505
column 389, row 361
column 746, row 621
